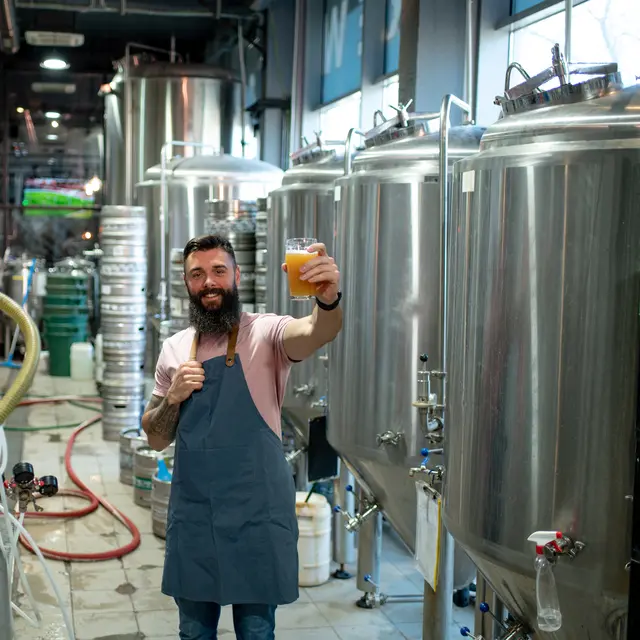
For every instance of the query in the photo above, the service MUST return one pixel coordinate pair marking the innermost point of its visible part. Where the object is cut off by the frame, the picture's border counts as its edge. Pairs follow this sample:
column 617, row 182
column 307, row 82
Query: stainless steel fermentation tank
column 389, row 249
column 149, row 103
column 543, row 346
column 304, row 208
column 190, row 186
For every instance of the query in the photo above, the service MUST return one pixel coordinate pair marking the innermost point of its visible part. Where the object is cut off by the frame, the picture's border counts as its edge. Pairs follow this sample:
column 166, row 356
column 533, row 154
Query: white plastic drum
column 314, row 542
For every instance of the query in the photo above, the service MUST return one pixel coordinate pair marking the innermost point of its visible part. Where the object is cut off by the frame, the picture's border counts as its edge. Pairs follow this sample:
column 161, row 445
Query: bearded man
column 232, row 531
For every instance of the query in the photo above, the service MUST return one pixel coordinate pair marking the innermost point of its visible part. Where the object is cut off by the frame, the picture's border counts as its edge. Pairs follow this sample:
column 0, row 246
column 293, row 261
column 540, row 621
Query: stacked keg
column 236, row 221
column 261, row 257
column 179, row 293
column 123, row 308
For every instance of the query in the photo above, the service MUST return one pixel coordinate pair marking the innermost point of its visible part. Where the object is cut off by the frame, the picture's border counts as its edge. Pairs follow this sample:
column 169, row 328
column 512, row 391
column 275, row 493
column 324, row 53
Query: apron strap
column 231, row 347
column 194, row 347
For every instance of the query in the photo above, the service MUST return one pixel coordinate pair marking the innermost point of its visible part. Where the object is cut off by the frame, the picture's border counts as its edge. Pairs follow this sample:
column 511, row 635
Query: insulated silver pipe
column 568, row 19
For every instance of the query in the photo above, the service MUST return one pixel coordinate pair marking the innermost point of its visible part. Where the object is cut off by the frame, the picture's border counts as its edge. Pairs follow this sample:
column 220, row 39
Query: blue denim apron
column 232, row 531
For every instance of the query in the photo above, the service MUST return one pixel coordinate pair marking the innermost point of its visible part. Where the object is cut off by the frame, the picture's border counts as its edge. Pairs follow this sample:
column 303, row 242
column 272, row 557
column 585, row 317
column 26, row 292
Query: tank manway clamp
column 353, row 523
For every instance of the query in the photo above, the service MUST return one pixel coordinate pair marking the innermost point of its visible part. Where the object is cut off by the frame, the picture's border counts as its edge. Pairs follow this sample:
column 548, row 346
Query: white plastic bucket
column 314, row 542
column 81, row 361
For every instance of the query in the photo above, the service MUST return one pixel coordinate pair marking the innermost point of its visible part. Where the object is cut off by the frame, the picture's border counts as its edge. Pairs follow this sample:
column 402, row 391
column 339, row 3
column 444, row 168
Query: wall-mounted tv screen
column 55, row 192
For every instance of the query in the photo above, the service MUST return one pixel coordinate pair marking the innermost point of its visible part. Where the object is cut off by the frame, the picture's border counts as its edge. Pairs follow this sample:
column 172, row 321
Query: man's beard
column 216, row 321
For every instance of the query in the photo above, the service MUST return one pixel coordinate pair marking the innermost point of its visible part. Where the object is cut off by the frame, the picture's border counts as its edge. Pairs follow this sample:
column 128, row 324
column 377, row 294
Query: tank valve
column 320, row 404
column 511, row 629
column 353, row 523
column 389, row 437
column 557, row 544
column 294, row 455
column 436, row 474
column 303, row 390
column 25, row 487
column 427, row 403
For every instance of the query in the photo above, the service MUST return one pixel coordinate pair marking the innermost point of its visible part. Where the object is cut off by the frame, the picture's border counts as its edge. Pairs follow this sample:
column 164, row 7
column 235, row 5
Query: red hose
column 83, row 492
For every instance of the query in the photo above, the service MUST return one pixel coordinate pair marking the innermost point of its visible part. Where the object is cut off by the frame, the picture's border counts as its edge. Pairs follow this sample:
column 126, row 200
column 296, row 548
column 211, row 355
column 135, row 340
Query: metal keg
column 130, row 441
column 261, row 224
column 145, row 462
column 124, row 286
column 160, row 494
column 235, row 220
column 121, row 408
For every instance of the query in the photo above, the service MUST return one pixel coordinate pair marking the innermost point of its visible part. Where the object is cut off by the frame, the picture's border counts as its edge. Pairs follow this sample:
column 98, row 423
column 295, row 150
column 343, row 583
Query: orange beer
column 296, row 256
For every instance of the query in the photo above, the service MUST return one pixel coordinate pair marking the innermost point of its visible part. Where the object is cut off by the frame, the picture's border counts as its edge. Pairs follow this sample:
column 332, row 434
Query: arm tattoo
column 162, row 418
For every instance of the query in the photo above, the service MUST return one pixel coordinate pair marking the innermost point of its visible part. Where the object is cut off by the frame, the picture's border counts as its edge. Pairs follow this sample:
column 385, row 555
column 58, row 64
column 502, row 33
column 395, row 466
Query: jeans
column 199, row 620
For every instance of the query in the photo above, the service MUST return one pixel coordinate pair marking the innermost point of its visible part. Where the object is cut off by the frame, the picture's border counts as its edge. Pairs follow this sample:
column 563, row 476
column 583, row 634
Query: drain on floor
column 126, row 589
column 55, row 438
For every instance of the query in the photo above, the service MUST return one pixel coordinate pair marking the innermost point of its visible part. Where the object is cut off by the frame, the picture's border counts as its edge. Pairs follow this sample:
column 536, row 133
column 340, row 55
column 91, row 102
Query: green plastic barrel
column 65, row 300
column 64, row 310
column 59, row 343
column 65, row 321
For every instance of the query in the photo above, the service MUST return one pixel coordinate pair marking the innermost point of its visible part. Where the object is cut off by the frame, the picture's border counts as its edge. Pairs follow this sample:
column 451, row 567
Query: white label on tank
column 106, row 290
column 336, row 194
column 468, row 181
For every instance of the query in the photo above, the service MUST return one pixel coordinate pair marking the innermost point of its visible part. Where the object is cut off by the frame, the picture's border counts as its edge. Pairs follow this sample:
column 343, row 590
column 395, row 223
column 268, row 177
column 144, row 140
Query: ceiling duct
column 9, row 37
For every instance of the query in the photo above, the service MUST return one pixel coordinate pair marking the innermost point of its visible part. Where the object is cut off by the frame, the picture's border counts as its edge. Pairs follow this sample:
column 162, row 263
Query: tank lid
column 151, row 69
column 414, row 150
column 220, row 168
column 402, row 125
column 528, row 95
column 316, row 163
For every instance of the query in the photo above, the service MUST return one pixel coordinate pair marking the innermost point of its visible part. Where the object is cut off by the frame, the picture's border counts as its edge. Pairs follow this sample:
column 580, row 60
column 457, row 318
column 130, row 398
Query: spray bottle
column 549, row 615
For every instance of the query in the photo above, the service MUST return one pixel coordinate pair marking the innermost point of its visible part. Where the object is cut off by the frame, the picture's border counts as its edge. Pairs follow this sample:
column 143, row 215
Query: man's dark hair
column 207, row 243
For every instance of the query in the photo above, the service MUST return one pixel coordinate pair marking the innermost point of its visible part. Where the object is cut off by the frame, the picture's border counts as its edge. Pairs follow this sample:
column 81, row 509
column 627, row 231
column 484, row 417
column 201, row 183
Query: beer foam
column 301, row 252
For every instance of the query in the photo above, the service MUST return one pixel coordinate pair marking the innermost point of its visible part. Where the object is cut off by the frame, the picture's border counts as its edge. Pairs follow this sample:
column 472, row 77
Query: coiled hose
column 23, row 380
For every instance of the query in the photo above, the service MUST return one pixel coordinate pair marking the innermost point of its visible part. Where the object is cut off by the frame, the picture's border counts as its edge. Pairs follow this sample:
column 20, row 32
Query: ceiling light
column 20, row 109
column 52, row 136
column 54, row 64
column 55, row 124
column 52, row 115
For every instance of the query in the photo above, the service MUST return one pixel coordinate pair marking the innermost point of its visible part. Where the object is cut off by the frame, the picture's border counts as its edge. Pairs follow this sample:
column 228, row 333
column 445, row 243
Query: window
column 392, row 36
column 337, row 118
column 390, row 95
column 342, row 45
column 603, row 31
column 522, row 5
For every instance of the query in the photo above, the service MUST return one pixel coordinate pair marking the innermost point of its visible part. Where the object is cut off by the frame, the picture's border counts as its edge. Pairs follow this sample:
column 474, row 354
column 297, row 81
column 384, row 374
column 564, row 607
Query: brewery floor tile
column 121, row 599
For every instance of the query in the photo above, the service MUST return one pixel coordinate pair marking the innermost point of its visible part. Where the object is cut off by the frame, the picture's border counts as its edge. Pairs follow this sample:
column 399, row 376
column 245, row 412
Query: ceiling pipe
column 9, row 38
column 126, row 8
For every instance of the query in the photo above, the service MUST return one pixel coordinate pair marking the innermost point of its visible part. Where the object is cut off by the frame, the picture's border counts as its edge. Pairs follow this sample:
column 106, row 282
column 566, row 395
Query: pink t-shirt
column 260, row 346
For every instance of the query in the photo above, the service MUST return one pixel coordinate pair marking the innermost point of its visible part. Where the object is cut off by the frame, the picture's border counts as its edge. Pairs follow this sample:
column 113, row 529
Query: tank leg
column 344, row 549
column 369, row 556
column 302, row 482
column 438, row 606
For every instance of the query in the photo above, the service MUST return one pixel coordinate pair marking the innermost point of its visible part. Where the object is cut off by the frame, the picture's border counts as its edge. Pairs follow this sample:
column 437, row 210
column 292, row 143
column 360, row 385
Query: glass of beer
column 297, row 255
